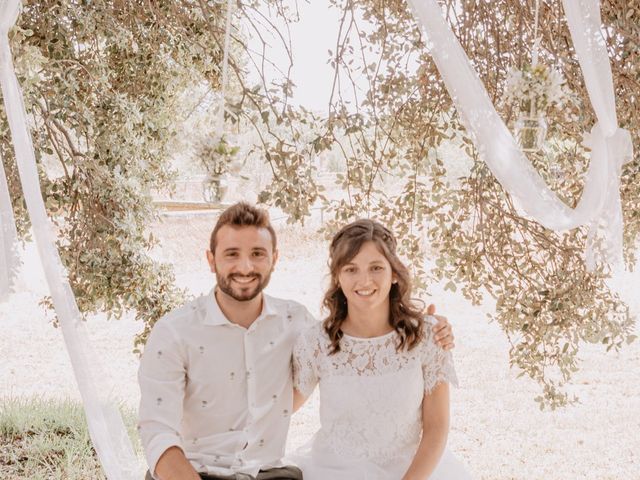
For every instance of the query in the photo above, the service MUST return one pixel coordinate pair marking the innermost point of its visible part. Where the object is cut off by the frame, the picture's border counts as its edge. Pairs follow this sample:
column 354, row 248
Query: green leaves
column 107, row 92
column 450, row 286
column 405, row 159
column 104, row 91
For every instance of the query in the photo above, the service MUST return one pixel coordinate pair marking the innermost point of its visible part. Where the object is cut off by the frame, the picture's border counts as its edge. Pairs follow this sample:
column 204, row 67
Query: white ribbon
column 106, row 427
column 225, row 70
column 599, row 206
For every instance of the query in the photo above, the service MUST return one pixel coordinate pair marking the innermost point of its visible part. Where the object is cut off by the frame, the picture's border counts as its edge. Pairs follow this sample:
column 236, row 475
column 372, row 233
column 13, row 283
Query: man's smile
column 244, row 281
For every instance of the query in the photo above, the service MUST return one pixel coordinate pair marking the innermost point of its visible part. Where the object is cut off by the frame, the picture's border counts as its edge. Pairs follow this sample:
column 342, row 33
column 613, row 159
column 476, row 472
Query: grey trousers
column 281, row 473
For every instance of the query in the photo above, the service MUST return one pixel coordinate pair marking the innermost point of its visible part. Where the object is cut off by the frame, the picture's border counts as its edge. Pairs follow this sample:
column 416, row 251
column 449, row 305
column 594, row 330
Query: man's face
column 243, row 261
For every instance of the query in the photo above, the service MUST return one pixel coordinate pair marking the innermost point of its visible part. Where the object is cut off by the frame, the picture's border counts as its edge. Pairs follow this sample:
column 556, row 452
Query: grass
column 47, row 439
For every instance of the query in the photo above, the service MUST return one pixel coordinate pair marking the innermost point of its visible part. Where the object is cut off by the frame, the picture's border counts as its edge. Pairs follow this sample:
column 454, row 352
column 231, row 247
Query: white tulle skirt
column 325, row 465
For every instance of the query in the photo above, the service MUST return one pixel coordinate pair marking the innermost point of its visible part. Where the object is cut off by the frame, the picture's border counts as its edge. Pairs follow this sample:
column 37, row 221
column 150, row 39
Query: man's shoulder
column 181, row 315
column 292, row 309
column 314, row 330
column 312, row 335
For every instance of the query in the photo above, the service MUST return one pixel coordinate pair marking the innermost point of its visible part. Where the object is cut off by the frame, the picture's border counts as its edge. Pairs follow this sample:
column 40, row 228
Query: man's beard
column 239, row 293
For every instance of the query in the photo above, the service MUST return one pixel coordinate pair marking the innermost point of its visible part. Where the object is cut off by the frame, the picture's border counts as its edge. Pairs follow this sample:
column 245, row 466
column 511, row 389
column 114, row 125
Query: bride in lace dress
column 384, row 384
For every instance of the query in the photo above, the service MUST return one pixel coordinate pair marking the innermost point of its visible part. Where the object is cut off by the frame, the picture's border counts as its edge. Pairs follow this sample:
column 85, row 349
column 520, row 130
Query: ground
column 496, row 427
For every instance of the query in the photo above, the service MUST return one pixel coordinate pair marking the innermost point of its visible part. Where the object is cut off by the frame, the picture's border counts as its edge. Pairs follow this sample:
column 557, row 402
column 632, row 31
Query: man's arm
column 162, row 382
column 443, row 334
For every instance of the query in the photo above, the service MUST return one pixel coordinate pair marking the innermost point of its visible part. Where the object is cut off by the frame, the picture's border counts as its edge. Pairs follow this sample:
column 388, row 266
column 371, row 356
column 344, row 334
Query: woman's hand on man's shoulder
column 442, row 331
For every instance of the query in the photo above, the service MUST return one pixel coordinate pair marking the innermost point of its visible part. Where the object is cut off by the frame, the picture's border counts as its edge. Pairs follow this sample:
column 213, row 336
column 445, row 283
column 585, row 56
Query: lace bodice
column 370, row 394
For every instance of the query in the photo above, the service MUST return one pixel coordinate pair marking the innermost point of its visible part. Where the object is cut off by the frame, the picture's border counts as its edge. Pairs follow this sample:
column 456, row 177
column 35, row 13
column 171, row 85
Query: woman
column 384, row 394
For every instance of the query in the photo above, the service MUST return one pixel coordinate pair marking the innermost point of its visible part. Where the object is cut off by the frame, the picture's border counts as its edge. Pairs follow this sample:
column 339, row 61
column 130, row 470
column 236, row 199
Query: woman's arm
column 304, row 364
column 173, row 465
column 298, row 400
column 435, row 428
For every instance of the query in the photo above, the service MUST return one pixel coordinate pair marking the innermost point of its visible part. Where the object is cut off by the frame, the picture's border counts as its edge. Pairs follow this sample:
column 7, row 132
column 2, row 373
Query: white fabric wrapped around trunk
column 599, row 206
column 106, row 427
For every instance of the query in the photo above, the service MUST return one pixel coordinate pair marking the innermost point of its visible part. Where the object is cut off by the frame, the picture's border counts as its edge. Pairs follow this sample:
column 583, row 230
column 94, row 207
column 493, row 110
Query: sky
column 312, row 37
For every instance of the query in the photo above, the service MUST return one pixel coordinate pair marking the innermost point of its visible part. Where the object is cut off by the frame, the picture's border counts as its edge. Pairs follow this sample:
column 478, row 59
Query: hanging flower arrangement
column 534, row 89
column 219, row 159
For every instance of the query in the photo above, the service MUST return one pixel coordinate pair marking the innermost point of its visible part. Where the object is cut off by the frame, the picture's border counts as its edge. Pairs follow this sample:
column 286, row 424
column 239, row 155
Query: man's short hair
column 243, row 214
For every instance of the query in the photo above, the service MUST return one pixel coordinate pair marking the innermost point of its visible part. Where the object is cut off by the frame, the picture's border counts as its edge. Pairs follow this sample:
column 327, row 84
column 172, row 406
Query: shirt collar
column 214, row 316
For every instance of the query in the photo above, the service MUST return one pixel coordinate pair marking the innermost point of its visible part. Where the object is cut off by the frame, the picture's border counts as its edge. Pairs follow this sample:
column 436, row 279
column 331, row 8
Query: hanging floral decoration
column 534, row 89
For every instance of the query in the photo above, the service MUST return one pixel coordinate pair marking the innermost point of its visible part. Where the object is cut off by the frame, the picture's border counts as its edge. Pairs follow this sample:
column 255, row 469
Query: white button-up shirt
column 220, row 392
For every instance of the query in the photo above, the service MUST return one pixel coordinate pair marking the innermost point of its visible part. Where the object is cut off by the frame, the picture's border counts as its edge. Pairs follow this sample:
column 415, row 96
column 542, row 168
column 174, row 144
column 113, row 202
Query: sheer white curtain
column 9, row 260
column 8, row 235
column 107, row 430
column 599, row 206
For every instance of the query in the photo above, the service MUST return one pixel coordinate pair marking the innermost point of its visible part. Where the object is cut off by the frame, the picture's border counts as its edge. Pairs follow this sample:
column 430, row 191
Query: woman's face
column 366, row 279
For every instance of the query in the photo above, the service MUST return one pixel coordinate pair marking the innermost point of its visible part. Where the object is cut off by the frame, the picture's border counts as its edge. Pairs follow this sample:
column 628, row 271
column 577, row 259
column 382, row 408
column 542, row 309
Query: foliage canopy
column 106, row 84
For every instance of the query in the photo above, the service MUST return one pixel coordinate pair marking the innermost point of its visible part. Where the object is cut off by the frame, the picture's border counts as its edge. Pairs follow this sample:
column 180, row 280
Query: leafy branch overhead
column 393, row 133
column 109, row 87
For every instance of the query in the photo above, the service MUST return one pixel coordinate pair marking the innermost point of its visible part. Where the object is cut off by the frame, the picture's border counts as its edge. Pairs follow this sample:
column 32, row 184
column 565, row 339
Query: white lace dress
column 370, row 405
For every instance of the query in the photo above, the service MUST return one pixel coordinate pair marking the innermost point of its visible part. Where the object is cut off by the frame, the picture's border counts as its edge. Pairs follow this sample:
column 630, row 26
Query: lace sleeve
column 437, row 364
column 305, row 375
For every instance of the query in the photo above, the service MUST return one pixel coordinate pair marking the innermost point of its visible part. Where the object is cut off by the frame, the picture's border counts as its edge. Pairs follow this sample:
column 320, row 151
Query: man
column 215, row 376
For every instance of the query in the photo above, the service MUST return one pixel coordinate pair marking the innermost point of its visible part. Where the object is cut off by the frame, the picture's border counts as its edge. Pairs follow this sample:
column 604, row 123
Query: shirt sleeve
column 437, row 364
column 305, row 377
column 162, row 378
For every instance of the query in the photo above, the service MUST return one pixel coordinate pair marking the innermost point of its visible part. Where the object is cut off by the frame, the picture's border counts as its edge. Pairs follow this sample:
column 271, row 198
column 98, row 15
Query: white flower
column 538, row 86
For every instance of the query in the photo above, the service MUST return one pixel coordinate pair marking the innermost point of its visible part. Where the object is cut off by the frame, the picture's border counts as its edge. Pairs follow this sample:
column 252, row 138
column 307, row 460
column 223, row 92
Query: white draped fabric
column 9, row 260
column 106, row 427
column 611, row 147
column 8, row 236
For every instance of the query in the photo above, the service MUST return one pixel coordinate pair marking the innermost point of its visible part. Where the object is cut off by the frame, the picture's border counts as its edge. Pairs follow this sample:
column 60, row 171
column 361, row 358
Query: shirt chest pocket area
column 215, row 367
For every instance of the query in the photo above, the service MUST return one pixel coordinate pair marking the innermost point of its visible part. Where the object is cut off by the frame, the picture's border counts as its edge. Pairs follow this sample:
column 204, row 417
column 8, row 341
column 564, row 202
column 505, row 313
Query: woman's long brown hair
column 404, row 316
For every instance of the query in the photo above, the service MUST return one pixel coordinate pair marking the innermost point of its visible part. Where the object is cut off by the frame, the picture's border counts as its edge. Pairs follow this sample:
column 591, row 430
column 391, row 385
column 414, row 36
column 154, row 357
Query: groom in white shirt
column 215, row 376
